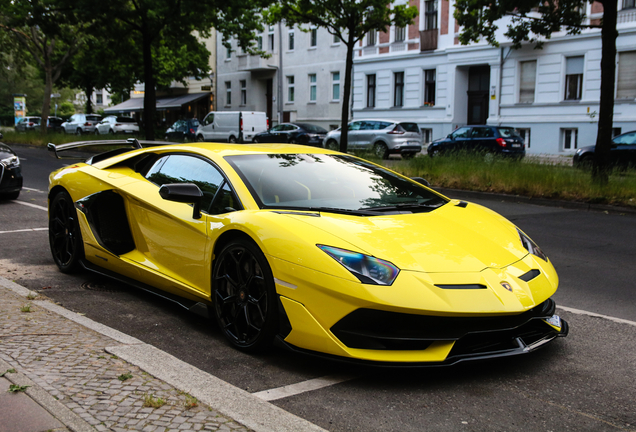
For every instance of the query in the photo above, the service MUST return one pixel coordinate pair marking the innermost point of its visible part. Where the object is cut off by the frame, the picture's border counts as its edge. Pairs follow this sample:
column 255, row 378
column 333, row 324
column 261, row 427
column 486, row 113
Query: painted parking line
column 33, row 190
column 592, row 314
column 31, row 205
column 24, row 230
column 302, row 387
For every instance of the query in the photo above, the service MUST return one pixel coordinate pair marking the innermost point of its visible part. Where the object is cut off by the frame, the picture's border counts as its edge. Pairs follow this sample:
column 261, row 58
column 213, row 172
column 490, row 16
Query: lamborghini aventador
column 318, row 251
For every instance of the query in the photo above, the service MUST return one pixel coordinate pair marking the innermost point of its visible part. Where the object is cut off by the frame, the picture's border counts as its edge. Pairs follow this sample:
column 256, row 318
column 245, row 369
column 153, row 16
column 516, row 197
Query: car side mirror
column 188, row 193
column 422, row 181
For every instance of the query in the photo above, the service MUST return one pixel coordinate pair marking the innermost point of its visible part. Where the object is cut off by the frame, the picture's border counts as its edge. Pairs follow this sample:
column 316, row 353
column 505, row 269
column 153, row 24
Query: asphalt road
column 586, row 381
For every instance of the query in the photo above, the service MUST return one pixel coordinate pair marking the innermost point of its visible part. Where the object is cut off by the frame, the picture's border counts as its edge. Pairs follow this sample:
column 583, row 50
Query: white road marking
column 24, row 230
column 582, row 312
column 33, row 190
column 302, row 387
column 31, row 205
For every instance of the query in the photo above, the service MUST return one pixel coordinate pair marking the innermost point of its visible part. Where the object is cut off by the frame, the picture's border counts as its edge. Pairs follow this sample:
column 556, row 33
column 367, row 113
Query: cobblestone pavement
column 69, row 362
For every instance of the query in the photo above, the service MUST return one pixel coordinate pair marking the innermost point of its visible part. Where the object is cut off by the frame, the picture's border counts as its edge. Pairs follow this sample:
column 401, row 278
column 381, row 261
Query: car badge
column 507, row 286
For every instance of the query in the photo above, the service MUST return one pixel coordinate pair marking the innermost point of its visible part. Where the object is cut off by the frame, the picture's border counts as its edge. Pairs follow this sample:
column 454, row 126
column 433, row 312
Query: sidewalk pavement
column 70, row 373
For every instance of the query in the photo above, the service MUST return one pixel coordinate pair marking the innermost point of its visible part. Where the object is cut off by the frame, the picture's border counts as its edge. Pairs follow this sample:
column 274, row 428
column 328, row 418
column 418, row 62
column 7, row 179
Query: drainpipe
column 280, row 73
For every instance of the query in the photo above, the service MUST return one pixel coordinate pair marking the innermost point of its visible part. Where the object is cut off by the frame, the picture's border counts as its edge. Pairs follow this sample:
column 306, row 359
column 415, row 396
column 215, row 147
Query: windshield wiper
column 405, row 206
column 358, row 212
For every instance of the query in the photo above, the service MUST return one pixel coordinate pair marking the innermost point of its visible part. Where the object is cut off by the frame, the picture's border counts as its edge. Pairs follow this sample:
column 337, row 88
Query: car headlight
column 531, row 246
column 367, row 269
column 11, row 162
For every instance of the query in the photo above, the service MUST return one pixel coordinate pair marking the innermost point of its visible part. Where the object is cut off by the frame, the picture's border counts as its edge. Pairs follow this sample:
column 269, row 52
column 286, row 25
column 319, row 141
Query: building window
column 629, row 4
column 371, row 36
column 259, row 43
column 427, row 135
column 228, row 93
column 626, row 78
column 371, row 91
column 290, row 43
column 243, row 92
column 313, row 37
column 228, row 49
column 335, row 86
column 569, row 139
column 99, row 99
column 290, row 88
column 574, row 78
column 430, row 14
column 525, row 135
column 429, row 87
column 398, row 89
column 336, row 41
column 312, row 87
column 270, row 37
column 527, row 81
column 400, row 34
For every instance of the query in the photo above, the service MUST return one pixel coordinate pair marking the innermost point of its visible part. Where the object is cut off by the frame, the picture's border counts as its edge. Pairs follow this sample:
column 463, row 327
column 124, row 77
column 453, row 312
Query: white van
column 231, row 126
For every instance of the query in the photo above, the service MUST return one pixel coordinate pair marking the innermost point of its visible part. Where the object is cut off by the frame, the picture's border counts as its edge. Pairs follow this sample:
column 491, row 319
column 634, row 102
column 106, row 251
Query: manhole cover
column 96, row 286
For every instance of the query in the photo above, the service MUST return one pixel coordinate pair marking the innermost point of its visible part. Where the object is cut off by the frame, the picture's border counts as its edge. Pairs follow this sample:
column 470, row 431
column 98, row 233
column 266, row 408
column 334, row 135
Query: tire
column 165, row 138
column 332, row 145
column 78, row 131
column 200, row 138
column 381, row 150
column 256, row 140
column 96, row 131
column 244, row 296
column 10, row 196
column 112, row 132
column 232, row 139
column 585, row 163
column 433, row 152
column 65, row 238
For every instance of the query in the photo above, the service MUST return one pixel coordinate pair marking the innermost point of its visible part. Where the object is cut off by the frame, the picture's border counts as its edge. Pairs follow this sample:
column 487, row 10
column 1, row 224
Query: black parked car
column 10, row 173
column 183, row 130
column 622, row 154
column 295, row 133
column 502, row 140
column 54, row 124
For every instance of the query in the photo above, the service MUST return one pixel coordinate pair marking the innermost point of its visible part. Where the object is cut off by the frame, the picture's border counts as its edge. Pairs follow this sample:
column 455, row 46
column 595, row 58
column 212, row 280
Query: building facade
column 302, row 80
column 421, row 73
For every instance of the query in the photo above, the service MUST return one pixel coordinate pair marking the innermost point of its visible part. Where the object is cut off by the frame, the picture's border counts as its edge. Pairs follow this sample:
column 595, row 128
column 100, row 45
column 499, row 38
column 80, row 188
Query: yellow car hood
column 448, row 239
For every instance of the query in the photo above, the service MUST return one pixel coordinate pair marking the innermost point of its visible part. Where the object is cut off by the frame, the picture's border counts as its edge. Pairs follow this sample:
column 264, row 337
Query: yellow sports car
column 319, row 251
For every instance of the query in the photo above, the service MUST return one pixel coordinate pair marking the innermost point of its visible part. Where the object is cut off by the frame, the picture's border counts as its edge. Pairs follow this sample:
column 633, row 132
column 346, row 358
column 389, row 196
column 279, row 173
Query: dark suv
column 501, row 140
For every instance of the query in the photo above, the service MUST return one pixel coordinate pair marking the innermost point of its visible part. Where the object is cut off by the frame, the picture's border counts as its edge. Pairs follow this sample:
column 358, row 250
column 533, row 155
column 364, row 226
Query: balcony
column 428, row 39
column 256, row 63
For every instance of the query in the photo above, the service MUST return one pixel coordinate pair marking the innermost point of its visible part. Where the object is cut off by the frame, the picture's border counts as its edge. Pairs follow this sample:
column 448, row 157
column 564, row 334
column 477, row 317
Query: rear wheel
column 232, row 139
column 381, row 150
column 333, row 145
column 65, row 238
column 244, row 296
column 586, row 162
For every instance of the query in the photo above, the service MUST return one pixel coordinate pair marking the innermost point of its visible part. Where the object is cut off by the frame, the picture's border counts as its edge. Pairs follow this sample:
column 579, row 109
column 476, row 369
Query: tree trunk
column 150, row 96
column 46, row 103
column 89, row 104
column 600, row 169
column 344, row 123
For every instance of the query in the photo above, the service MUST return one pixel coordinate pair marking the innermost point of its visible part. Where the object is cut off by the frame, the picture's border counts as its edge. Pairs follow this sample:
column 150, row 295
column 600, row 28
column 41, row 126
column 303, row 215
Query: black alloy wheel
column 244, row 296
column 65, row 238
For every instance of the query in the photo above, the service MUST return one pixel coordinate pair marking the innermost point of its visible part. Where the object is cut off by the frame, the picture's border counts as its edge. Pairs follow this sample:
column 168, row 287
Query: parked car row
column 10, row 173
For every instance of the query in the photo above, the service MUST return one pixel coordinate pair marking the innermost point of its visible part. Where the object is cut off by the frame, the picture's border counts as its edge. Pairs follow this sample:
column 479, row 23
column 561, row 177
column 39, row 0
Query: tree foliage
column 350, row 21
column 160, row 35
column 534, row 22
column 49, row 32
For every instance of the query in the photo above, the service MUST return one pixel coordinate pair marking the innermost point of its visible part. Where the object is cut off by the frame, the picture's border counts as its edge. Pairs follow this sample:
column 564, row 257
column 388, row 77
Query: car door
column 624, row 149
column 207, row 127
column 353, row 136
column 460, row 139
column 482, row 139
column 273, row 135
column 169, row 239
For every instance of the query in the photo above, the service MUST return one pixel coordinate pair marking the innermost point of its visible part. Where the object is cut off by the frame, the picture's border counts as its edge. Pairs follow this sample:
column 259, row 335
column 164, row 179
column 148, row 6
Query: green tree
column 165, row 29
column 50, row 33
column 533, row 22
column 349, row 20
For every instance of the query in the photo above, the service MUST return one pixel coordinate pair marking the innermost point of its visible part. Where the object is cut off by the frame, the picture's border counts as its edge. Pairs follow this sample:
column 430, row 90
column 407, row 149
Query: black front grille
column 374, row 329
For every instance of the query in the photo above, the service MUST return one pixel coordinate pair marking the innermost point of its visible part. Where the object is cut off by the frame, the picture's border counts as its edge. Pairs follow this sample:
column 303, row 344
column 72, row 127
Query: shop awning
column 137, row 104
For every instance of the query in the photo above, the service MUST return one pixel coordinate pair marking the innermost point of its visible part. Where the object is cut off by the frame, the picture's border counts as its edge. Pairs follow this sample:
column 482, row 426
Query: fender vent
column 527, row 277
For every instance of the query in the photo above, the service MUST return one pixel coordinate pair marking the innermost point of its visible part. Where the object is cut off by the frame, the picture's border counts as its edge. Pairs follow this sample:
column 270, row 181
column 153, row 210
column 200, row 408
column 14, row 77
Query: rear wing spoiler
column 133, row 143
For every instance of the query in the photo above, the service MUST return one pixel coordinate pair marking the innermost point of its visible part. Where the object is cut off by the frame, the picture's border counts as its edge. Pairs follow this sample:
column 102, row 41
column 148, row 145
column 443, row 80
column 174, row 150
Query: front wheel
column 200, row 138
column 244, row 296
column 65, row 238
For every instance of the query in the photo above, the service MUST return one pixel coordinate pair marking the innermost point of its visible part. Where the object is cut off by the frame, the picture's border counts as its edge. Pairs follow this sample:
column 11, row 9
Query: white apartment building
column 421, row 73
column 301, row 81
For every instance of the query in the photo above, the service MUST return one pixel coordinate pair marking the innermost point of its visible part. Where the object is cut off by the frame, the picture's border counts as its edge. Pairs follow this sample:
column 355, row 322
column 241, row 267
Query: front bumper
column 10, row 179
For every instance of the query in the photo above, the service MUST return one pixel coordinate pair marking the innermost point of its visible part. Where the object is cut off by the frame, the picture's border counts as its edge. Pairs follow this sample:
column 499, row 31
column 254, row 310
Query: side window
column 627, row 139
column 482, row 132
column 461, row 133
column 187, row 169
column 225, row 201
column 355, row 126
column 208, row 119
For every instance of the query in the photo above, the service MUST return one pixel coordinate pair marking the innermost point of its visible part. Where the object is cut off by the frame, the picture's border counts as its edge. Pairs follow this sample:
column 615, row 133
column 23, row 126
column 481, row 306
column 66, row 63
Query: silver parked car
column 81, row 123
column 26, row 124
column 384, row 137
column 117, row 125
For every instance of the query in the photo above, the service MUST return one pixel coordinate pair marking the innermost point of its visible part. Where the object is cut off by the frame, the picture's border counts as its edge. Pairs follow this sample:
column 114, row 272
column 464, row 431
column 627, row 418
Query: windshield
column 329, row 182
